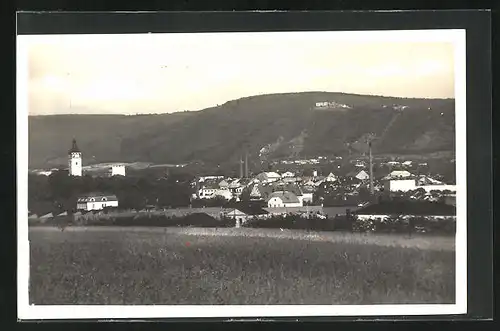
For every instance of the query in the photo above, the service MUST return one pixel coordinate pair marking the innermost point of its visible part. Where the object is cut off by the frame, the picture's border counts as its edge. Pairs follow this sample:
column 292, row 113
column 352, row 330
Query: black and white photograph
column 271, row 173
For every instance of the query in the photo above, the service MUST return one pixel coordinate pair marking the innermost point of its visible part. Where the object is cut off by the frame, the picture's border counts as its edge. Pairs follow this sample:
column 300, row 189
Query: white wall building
column 96, row 201
column 402, row 185
column 397, row 174
column 224, row 193
column 268, row 177
column 118, row 170
column 362, row 175
column 331, row 177
column 283, row 199
column 207, row 192
column 75, row 160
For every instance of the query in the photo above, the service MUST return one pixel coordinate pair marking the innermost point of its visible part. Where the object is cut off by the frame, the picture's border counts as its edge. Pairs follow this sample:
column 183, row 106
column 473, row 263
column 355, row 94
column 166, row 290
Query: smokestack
column 241, row 168
column 246, row 164
column 371, row 167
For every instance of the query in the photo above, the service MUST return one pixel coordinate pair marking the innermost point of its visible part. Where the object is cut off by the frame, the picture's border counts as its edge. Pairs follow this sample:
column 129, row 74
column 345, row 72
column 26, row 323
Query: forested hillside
column 267, row 126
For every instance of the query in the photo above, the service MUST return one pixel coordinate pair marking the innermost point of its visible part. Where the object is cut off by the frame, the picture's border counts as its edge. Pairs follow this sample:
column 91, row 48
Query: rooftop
column 285, row 196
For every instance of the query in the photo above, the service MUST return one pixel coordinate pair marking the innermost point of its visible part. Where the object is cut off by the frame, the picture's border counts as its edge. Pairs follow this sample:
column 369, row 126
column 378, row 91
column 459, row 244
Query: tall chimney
column 246, row 164
column 241, row 168
column 371, row 168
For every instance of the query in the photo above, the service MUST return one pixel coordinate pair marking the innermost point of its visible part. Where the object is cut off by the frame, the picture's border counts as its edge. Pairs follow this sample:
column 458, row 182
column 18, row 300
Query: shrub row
column 341, row 223
column 353, row 224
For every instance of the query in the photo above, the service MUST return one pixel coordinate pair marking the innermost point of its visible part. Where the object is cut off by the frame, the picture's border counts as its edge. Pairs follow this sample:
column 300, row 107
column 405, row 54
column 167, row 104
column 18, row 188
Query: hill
column 268, row 126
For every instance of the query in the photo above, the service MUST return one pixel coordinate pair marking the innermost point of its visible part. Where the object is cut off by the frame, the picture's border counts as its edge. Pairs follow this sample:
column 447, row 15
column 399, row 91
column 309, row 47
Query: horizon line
column 244, row 97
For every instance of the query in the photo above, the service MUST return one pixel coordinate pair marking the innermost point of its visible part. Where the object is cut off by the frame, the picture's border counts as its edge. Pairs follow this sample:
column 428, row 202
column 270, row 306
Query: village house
column 398, row 174
column 96, row 201
column 208, row 190
column 267, row 177
column 224, row 194
column 243, row 215
column 283, row 199
column 330, row 178
column 117, row 170
column 362, row 175
column 237, row 186
column 224, row 184
column 401, row 184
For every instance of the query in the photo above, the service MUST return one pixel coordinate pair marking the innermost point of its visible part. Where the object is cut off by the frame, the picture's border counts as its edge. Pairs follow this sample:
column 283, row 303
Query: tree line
column 59, row 192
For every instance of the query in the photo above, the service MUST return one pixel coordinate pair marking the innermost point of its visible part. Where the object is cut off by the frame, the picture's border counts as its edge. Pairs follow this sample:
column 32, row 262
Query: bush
column 399, row 224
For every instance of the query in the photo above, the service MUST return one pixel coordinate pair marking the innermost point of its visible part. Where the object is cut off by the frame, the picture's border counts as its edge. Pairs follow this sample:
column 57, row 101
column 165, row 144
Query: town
column 296, row 187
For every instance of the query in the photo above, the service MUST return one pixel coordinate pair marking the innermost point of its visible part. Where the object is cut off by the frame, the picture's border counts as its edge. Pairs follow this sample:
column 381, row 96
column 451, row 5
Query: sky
column 164, row 73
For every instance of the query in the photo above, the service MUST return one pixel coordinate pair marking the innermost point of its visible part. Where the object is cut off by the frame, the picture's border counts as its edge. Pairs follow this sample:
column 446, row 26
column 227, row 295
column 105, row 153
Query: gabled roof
column 426, row 180
column 210, row 185
column 248, row 210
column 398, row 174
column 97, row 197
column 268, row 175
column 285, row 196
column 224, row 183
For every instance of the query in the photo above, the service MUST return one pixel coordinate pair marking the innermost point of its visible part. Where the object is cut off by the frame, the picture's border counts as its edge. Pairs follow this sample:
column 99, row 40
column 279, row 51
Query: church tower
column 75, row 160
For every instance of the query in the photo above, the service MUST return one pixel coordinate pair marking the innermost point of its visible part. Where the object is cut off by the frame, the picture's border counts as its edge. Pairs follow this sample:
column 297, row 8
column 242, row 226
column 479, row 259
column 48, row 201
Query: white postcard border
column 30, row 312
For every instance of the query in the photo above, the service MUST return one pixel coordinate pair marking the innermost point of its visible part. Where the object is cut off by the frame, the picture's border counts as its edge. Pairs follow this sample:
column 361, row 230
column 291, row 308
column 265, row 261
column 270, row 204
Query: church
column 75, row 165
column 75, row 160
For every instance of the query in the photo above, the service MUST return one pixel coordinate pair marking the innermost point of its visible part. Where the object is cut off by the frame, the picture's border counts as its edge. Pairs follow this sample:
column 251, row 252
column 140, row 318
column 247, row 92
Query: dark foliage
column 59, row 192
column 288, row 120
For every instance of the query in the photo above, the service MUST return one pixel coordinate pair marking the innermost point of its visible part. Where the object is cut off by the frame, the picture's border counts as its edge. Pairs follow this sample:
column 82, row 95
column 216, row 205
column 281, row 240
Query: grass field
column 219, row 266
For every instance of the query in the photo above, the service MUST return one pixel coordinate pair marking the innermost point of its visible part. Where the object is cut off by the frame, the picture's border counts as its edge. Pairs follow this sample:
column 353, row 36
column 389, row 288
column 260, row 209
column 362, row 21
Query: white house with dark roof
column 268, row 177
column 287, row 174
column 398, row 174
column 96, row 201
column 362, row 175
column 399, row 181
column 282, row 199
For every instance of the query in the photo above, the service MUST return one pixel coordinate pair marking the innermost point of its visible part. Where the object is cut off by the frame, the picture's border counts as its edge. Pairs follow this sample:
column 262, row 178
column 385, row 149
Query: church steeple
column 75, row 160
column 74, row 148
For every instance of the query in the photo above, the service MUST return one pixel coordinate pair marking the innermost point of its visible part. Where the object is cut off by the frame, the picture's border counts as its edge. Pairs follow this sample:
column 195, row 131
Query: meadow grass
column 134, row 266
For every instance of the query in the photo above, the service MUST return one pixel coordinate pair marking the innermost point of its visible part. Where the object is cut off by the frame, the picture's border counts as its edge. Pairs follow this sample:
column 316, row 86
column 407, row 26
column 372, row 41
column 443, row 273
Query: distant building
column 117, row 170
column 208, row 190
column 268, row 177
column 75, row 160
column 224, row 193
column 224, row 184
column 398, row 174
column 360, row 175
column 331, row 177
column 96, row 201
column 397, row 185
column 288, row 174
column 283, row 199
